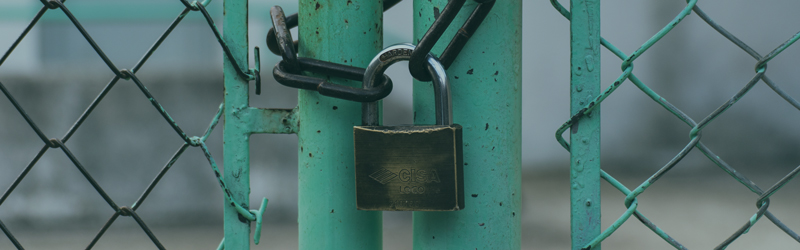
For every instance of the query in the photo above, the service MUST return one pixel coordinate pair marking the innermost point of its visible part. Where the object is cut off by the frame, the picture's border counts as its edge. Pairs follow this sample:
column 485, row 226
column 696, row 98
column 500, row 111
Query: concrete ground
column 698, row 212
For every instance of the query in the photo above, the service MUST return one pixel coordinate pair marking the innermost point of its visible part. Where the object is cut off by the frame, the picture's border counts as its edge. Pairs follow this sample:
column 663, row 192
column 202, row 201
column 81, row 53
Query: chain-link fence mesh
column 125, row 74
column 762, row 203
column 630, row 201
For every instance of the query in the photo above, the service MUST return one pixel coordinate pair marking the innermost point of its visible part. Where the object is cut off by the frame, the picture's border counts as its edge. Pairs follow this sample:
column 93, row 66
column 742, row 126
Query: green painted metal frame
column 585, row 132
column 327, row 215
column 241, row 121
column 486, row 81
column 236, row 134
column 349, row 32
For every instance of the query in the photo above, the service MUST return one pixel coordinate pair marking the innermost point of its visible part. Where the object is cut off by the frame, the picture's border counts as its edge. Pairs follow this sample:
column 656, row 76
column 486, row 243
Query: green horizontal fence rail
column 235, row 190
column 586, row 98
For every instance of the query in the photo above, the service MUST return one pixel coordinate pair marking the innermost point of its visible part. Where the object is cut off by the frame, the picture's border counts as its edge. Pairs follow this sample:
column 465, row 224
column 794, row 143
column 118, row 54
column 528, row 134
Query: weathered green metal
column 585, row 132
column 236, row 130
column 348, row 32
column 486, row 80
column 588, row 108
column 272, row 121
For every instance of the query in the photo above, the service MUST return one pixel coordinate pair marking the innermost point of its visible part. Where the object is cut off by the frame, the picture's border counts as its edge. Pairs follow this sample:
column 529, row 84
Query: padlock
column 408, row 168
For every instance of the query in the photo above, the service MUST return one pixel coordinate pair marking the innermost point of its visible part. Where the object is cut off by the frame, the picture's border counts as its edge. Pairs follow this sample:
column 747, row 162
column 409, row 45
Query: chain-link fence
column 695, row 132
column 129, row 75
column 630, row 202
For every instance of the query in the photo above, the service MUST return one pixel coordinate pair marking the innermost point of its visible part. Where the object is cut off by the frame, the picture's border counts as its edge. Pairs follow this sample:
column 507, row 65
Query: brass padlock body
column 409, row 168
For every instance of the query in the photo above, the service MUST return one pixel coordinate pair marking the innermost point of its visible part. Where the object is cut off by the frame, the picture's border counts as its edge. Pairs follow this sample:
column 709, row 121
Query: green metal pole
column 348, row 32
column 585, row 133
column 236, row 131
column 486, row 81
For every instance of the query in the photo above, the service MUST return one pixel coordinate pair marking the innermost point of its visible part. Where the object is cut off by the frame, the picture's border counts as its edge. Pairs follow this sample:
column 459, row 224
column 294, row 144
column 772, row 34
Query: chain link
column 56, row 143
column 291, row 23
column 630, row 202
column 287, row 72
column 417, row 63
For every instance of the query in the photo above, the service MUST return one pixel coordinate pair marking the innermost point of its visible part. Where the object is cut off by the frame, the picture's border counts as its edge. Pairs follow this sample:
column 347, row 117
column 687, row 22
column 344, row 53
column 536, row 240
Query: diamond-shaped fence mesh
column 125, row 74
column 696, row 128
column 631, row 203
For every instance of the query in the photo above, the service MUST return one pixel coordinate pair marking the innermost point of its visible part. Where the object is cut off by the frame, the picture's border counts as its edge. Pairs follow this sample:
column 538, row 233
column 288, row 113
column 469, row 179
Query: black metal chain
column 287, row 71
column 327, row 88
column 417, row 63
column 291, row 22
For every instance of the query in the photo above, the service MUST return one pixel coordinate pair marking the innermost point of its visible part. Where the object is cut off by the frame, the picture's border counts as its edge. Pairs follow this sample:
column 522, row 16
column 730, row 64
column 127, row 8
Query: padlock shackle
column 402, row 52
column 441, row 91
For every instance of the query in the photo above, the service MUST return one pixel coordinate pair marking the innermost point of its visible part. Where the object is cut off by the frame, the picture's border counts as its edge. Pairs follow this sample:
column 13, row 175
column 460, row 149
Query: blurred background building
column 55, row 74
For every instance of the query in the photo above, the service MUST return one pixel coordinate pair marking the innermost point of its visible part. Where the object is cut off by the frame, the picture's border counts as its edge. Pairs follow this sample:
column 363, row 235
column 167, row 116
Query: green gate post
column 486, row 81
column 236, row 133
column 348, row 32
column 585, row 133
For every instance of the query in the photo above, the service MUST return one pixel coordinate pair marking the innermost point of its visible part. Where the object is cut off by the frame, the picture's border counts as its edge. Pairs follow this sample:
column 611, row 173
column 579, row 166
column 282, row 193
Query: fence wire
column 194, row 141
column 630, row 202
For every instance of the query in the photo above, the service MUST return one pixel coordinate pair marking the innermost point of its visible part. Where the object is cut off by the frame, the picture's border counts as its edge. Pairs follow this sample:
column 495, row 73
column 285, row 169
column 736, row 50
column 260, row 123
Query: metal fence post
column 486, row 82
column 236, row 133
column 348, row 32
column 585, row 132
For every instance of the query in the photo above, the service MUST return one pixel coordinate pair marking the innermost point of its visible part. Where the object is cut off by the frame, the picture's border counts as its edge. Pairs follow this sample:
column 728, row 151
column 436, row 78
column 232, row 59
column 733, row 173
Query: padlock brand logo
column 419, row 175
column 383, row 176
column 406, row 175
column 395, row 52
